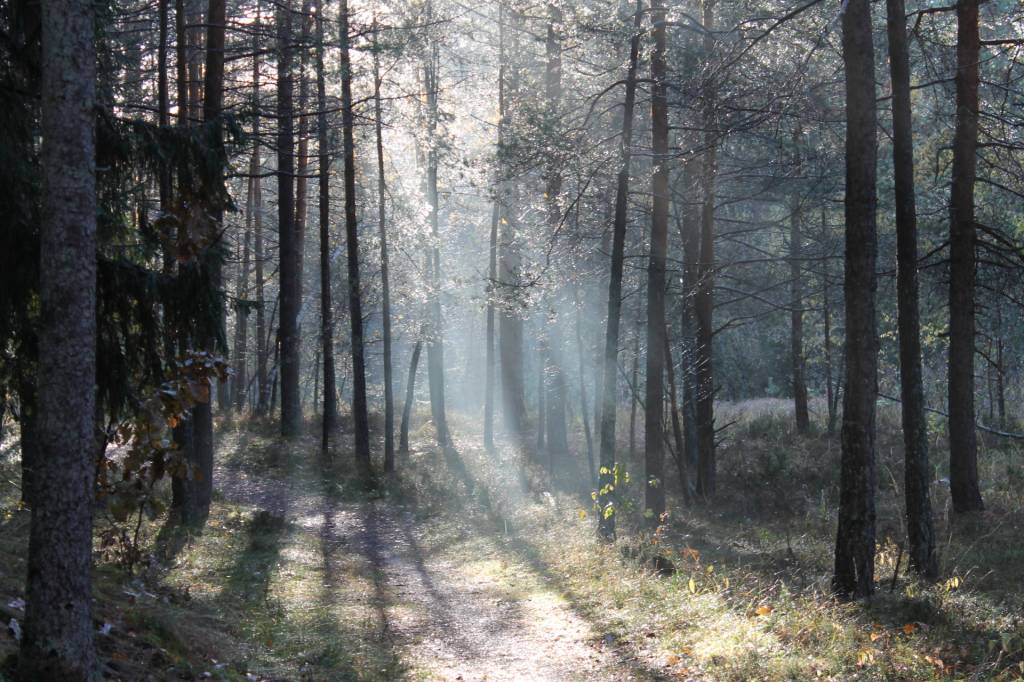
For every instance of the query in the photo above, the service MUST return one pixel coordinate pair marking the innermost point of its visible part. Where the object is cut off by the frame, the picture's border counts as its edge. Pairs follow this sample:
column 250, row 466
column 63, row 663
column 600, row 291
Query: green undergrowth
column 268, row 591
column 748, row 592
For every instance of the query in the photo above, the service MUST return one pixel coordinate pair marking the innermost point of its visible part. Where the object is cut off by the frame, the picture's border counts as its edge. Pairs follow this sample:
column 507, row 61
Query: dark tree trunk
column 917, row 473
column 704, row 301
column 360, row 418
column 607, row 460
column 963, row 444
column 584, row 406
column 654, row 393
column 634, row 375
column 58, row 638
column 410, row 392
column 796, row 291
column 689, row 232
column 288, row 240
column 541, row 394
column 677, row 428
column 435, row 339
column 240, row 380
column 330, row 410
column 196, row 489
column 855, row 539
column 302, row 154
column 831, row 397
column 389, row 400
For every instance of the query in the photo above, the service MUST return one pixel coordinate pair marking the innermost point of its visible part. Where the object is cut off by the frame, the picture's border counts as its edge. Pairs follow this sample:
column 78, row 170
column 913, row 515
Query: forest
column 511, row 340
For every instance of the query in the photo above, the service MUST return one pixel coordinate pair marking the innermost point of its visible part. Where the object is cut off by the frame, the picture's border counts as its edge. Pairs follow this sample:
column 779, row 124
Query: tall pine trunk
column 385, row 282
column 58, row 637
column 855, row 539
column 330, row 411
column 796, row 294
column 410, row 392
column 654, row 393
column 360, row 418
column 435, row 339
column 607, row 461
column 917, row 473
column 963, row 441
column 288, row 240
column 704, row 299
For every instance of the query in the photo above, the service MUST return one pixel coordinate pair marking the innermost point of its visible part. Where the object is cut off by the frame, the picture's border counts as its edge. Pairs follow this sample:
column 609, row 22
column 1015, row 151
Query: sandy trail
column 473, row 614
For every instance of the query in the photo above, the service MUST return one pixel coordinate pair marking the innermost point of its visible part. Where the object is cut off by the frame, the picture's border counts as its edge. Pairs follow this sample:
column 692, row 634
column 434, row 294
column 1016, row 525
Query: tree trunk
column 58, row 638
column 302, row 154
column 196, row 489
column 831, row 398
column 917, row 472
column 796, row 345
column 677, row 428
column 410, row 391
column 584, row 407
column 855, row 539
column 607, row 460
column 330, row 410
column 490, row 359
column 963, row 445
column 360, row 418
column 704, row 300
column 240, row 381
column 492, row 256
column 689, row 232
column 654, row 395
column 389, row 400
column 633, row 403
column 435, row 339
column 288, row 240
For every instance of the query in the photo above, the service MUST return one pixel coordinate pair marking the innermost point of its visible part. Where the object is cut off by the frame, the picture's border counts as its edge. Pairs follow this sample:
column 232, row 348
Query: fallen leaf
column 763, row 610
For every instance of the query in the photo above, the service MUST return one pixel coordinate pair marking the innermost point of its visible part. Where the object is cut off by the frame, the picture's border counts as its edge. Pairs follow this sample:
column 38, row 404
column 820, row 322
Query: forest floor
column 469, row 565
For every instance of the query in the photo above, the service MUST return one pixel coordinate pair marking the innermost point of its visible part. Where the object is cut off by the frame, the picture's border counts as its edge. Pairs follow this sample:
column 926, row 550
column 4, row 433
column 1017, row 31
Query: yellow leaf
column 692, row 585
column 875, row 636
column 583, row 514
column 763, row 610
column 865, row 656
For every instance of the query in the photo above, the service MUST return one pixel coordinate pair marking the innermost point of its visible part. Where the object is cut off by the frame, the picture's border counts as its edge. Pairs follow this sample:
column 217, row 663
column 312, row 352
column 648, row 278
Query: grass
column 273, row 587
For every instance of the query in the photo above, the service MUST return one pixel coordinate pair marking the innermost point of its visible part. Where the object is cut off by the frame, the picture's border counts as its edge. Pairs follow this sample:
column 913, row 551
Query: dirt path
column 450, row 600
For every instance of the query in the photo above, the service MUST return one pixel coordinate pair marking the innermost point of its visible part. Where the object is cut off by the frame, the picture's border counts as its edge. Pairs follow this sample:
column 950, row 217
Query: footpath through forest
column 401, row 583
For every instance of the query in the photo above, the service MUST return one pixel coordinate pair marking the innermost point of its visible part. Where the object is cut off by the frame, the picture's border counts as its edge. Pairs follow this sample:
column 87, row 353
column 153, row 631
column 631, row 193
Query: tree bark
column 855, row 539
column 330, row 407
column 492, row 256
column 58, row 638
column 302, row 154
column 917, row 472
column 435, row 339
column 557, row 435
column 410, row 392
column 360, row 418
column 607, row 460
column 704, row 300
column 288, row 240
column 796, row 345
column 385, row 283
column 654, row 393
column 963, row 444
column 240, row 380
